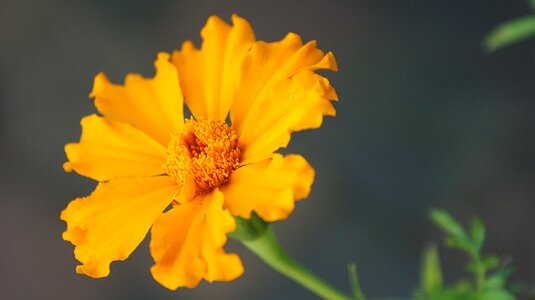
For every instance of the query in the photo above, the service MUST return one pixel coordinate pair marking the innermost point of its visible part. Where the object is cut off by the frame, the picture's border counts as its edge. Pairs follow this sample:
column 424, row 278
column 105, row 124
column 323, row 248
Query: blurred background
column 425, row 119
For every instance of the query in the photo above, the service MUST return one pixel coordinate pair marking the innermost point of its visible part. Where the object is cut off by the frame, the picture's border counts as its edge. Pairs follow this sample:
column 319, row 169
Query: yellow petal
column 110, row 223
column 155, row 106
column 187, row 243
column 294, row 104
column 269, row 188
column 209, row 76
column 265, row 66
column 109, row 149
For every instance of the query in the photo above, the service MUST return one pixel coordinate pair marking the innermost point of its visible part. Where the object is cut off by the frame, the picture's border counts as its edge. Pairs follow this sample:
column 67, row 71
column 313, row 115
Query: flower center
column 205, row 150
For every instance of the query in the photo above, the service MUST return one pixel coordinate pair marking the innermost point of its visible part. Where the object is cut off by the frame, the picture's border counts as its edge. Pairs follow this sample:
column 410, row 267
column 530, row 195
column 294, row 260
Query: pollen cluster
column 205, row 150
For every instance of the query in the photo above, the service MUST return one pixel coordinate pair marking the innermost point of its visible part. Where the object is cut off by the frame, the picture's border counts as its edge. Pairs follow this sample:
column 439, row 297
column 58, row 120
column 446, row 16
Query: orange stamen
column 205, row 150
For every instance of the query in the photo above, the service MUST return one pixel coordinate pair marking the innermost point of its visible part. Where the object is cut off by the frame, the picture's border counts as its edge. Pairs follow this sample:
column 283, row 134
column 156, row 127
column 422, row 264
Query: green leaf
column 249, row 229
column 447, row 223
column 491, row 262
column 457, row 235
column 495, row 282
column 463, row 244
column 496, row 295
column 463, row 286
column 509, row 33
column 532, row 4
column 498, row 280
column 477, row 232
column 430, row 272
column 354, row 282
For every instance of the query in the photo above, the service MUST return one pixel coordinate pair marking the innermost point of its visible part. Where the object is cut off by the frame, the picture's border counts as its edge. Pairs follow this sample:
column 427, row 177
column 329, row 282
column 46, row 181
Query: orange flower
column 185, row 179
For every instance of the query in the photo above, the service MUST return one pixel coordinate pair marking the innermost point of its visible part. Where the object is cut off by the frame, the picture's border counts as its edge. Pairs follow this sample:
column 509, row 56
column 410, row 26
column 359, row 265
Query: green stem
column 270, row 251
column 480, row 272
column 354, row 281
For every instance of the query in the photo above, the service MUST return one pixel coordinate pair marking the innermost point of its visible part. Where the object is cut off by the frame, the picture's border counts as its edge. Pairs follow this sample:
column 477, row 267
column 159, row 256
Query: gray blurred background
column 425, row 119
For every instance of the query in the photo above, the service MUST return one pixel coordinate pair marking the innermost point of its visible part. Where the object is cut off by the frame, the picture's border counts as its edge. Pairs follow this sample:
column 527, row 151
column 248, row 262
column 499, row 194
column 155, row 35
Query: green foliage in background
column 356, row 290
column 511, row 32
column 488, row 276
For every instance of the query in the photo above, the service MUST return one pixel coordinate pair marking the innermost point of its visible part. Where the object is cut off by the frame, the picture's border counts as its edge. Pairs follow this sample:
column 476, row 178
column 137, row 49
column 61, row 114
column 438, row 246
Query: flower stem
column 267, row 247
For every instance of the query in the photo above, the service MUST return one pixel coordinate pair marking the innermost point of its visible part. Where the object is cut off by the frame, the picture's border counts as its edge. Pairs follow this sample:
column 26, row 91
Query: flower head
column 186, row 179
